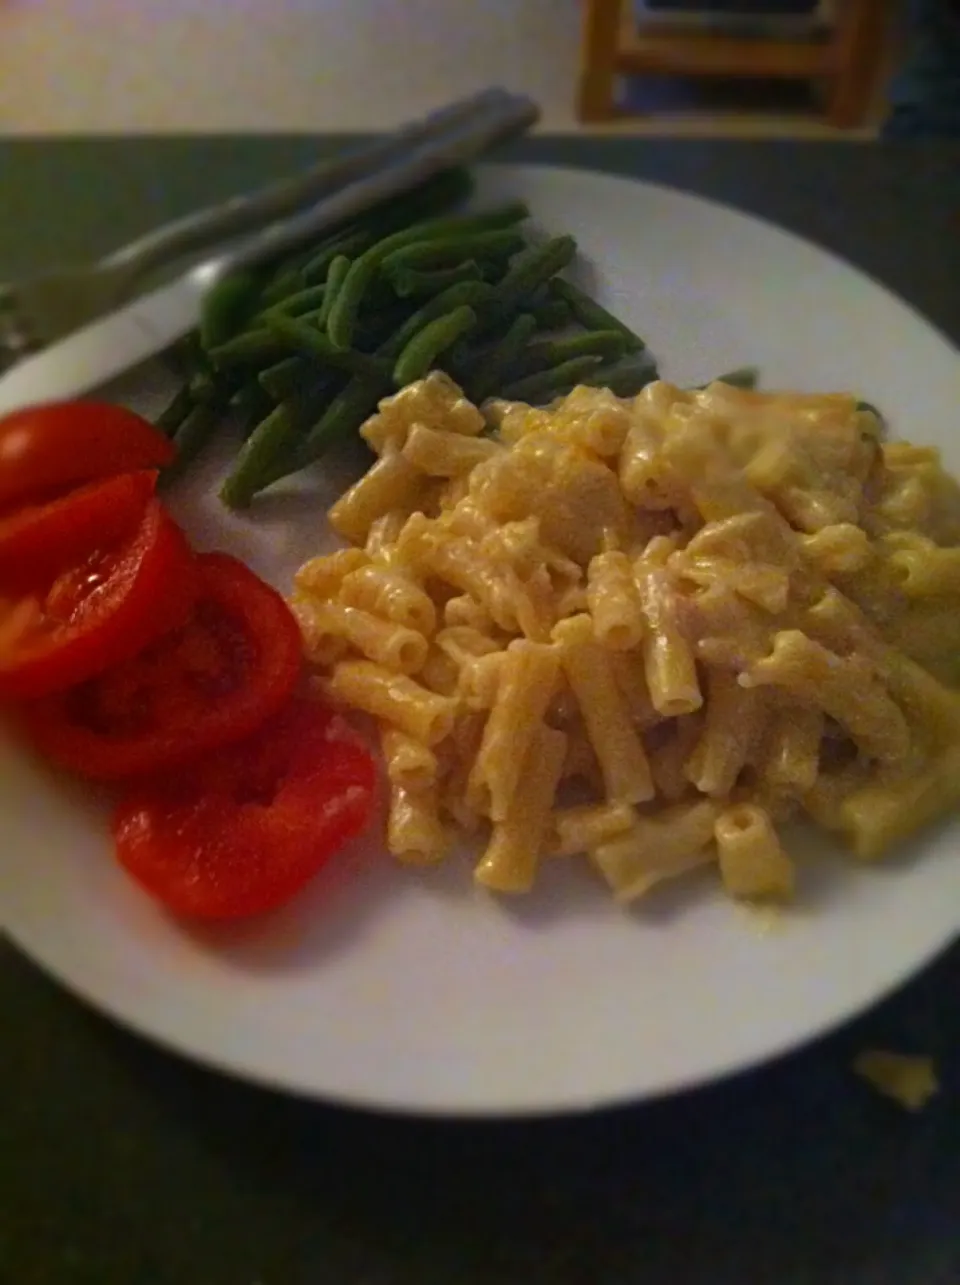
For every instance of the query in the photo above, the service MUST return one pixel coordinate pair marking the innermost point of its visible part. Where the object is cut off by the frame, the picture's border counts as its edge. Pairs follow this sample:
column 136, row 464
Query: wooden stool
column 847, row 57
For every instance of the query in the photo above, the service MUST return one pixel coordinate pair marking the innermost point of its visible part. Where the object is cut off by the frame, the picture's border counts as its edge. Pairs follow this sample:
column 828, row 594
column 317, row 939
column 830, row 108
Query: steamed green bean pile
column 303, row 351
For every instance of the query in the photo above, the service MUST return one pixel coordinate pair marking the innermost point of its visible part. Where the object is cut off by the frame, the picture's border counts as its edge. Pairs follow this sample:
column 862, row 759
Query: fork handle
column 499, row 120
column 240, row 214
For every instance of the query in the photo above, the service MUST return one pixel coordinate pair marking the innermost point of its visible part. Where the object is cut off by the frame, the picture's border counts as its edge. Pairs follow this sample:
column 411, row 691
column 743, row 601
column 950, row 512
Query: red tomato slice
column 252, row 826
column 38, row 541
column 99, row 613
column 212, row 681
column 48, row 449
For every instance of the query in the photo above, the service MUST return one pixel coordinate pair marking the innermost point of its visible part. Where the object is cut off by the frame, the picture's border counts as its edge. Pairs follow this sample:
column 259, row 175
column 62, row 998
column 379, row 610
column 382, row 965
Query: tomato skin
column 38, row 541
column 104, row 612
column 186, row 700
column 244, row 832
column 50, row 448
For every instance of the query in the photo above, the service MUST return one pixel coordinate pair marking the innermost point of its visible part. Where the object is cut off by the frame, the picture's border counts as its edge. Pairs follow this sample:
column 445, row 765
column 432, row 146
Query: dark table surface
column 121, row 1166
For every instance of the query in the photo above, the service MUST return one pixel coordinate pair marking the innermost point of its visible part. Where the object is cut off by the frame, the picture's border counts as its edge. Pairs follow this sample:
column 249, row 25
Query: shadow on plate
column 346, row 900
column 351, row 896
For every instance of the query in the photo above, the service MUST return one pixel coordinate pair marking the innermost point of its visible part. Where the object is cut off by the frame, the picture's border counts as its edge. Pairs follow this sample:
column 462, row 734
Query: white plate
column 415, row 991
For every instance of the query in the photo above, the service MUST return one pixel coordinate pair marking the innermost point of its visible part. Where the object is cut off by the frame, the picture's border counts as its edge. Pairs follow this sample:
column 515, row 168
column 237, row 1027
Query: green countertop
column 120, row 1165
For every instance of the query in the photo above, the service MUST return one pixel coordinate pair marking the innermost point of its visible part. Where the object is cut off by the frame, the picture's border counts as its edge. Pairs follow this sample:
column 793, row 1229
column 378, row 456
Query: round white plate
column 416, row 991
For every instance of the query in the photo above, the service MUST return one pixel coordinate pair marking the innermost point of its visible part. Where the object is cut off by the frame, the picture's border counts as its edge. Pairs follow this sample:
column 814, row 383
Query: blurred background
column 209, row 65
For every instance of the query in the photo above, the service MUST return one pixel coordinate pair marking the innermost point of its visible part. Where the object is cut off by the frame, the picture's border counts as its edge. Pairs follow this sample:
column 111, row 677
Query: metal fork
column 37, row 311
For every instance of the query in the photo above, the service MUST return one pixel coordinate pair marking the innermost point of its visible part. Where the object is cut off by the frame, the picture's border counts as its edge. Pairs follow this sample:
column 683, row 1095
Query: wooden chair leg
column 858, row 42
column 598, row 60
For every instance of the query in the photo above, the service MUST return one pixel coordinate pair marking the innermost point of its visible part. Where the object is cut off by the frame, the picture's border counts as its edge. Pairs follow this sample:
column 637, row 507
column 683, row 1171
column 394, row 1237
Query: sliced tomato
column 45, row 450
column 212, row 681
column 248, row 829
column 36, row 542
column 98, row 613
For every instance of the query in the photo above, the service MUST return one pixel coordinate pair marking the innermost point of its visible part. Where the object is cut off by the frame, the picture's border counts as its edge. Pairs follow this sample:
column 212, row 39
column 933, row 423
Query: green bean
column 192, row 436
column 547, row 384
column 625, row 377
column 469, row 354
column 743, row 377
column 476, row 294
column 226, row 306
column 493, row 364
column 203, row 386
column 342, row 417
column 421, row 352
column 339, row 267
column 359, row 398
column 346, row 243
column 473, row 294
column 494, row 270
column 552, row 314
column 870, row 409
column 438, row 193
column 199, row 425
column 286, row 275
column 250, row 347
column 527, row 272
column 444, row 251
column 279, row 287
column 309, row 299
column 310, row 267
column 253, row 347
column 285, row 378
column 442, row 191
column 314, row 343
column 348, row 410
column 268, row 442
column 251, row 404
column 273, row 449
column 589, row 313
column 176, row 411
column 411, row 281
column 380, row 295
column 878, row 432
column 363, row 270
column 533, row 267
column 291, row 461
column 547, row 353
column 376, row 328
column 354, row 238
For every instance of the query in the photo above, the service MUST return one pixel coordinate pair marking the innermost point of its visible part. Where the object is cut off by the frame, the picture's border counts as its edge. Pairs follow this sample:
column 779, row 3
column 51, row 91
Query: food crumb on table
column 905, row 1078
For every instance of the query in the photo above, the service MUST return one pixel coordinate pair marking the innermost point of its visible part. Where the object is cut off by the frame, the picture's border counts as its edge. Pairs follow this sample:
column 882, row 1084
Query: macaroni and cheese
column 649, row 631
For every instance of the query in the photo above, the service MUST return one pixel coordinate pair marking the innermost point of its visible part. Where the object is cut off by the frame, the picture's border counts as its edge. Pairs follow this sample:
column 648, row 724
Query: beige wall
column 108, row 65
